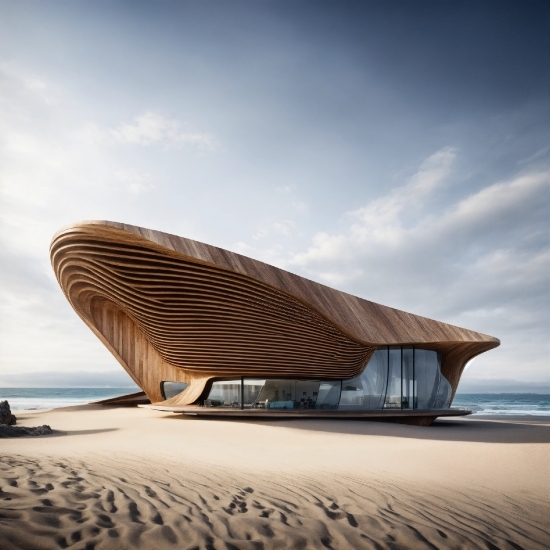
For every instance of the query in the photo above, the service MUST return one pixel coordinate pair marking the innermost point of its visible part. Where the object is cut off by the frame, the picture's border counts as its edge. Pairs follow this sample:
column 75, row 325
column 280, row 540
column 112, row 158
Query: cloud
column 300, row 206
column 261, row 234
column 380, row 223
column 463, row 240
column 382, row 220
column 134, row 182
column 383, row 231
column 151, row 127
column 284, row 227
column 284, row 189
column 25, row 82
column 481, row 262
column 501, row 205
column 56, row 167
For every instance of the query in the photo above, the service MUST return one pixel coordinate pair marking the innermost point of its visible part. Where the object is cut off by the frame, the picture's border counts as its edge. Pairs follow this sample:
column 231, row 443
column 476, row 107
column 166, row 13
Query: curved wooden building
column 181, row 314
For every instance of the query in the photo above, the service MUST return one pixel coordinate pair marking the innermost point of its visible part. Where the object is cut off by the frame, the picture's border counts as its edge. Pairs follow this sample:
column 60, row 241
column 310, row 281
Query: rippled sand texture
column 55, row 504
column 136, row 498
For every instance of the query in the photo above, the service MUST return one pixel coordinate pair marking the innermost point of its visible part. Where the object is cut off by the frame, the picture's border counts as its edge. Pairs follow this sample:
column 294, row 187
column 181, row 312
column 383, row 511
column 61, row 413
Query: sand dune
column 123, row 487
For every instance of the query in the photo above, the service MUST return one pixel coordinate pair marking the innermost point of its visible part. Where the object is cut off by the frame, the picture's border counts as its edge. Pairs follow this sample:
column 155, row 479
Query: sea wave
column 522, row 412
column 53, row 398
column 509, row 404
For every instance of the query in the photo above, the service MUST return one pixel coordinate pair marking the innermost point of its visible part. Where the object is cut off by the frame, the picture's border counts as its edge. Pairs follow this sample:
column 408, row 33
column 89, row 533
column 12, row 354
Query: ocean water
column 532, row 404
column 52, row 398
column 479, row 403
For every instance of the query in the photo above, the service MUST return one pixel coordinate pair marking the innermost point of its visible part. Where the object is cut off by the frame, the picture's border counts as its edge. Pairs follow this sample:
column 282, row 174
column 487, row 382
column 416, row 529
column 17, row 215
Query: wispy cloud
column 224, row 141
column 261, row 234
column 134, row 181
column 14, row 77
column 482, row 262
column 476, row 223
column 281, row 227
column 380, row 222
column 300, row 206
column 151, row 127
column 284, row 227
column 285, row 189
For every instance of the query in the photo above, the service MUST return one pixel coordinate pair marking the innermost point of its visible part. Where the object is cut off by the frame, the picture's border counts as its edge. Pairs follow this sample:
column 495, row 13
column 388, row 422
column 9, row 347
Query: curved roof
column 363, row 321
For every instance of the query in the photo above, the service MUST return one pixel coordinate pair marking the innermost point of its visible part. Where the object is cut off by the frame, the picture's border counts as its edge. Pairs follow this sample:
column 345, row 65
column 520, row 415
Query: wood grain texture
column 170, row 308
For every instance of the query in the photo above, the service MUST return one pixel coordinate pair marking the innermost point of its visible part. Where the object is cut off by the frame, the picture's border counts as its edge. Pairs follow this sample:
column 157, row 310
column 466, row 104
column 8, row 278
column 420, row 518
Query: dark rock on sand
column 17, row 431
column 7, row 429
column 5, row 414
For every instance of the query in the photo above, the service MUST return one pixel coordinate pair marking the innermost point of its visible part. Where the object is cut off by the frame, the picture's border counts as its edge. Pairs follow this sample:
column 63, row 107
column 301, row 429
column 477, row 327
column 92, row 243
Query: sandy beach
column 121, row 478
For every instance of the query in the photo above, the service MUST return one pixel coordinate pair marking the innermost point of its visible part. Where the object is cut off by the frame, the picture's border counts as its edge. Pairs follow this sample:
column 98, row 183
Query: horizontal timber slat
column 169, row 308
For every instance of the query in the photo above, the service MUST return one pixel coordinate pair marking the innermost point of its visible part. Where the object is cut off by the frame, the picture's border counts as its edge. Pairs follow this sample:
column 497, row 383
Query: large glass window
column 396, row 377
column 224, row 393
column 367, row 391
column 278, row 394
column 298, row 394
column 251, row 392
column 393, row 393
column 407, row 378
column 329, row 395
column 443, row 397
column 307, row 392
column 427, row 369
column 171, row 389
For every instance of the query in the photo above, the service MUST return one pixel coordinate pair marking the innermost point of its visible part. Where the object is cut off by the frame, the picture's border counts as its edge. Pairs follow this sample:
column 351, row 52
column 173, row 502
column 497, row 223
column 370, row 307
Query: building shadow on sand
column 482, row 430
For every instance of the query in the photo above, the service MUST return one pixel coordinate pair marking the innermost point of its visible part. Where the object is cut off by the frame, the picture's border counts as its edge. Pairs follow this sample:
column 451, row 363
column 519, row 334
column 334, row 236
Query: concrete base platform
column 415, row 417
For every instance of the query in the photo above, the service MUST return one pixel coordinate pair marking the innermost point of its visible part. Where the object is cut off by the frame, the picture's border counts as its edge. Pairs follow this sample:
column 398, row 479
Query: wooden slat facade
column 170, row 308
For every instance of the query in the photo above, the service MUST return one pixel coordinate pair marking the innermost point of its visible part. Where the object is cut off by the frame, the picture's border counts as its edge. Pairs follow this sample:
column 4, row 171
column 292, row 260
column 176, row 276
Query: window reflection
column 443, row 397
column 367, row 391
column 396, row 377
column 307, row 392
column 290, row 394
column 329, row 395
column 407, row 378
column 393, row 393
column 427, row 368
column 171, row 389
column 226, row 393
column 277, row 394
column 251, row 392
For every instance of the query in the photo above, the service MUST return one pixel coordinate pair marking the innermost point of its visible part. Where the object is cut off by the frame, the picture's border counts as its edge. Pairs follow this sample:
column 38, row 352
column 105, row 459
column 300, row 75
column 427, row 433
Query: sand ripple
column 51, row 503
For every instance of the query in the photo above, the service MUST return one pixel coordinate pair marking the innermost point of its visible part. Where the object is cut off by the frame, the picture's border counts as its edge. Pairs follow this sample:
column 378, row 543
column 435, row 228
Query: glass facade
column 407, row 378
column 396, row 377
column 171, row 389
column 329, row 395
column 224, row 393
column 278, row 394
column 298, row 394
column 393, row 393
column 427, row 367
column 368, row 390
column 443, row 397
column 251, row 392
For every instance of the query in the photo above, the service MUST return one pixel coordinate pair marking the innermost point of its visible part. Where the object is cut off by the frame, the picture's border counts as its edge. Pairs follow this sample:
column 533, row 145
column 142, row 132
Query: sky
column 396, row 150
